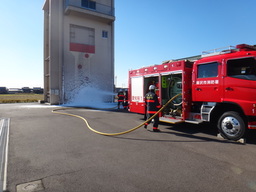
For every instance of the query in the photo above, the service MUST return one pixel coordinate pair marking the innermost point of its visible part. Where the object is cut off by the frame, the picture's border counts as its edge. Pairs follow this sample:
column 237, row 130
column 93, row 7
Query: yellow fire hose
column 113, row 134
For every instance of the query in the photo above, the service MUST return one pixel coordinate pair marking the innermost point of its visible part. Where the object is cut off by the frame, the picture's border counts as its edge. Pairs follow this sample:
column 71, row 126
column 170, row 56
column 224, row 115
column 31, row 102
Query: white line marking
column 6, row 157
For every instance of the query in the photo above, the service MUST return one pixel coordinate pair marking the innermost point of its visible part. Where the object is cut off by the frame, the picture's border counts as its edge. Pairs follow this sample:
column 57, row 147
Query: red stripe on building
column 82, row 48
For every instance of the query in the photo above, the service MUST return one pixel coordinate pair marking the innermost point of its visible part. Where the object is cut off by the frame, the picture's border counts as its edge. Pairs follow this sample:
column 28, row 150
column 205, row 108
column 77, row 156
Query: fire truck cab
column 217, row 87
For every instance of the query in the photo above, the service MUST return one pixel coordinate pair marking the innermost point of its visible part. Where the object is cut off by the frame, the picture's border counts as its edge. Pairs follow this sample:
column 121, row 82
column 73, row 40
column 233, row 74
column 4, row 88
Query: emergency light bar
column 245, row 46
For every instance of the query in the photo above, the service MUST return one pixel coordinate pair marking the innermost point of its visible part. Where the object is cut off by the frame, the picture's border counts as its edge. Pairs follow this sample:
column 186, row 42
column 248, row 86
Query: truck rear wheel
column 231, row 126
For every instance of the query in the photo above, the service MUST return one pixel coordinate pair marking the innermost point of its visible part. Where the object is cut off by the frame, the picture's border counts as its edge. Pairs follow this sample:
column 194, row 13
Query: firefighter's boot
column 155, row 129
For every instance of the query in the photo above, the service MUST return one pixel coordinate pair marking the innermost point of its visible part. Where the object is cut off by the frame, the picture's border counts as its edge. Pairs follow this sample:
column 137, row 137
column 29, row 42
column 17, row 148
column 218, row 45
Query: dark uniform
column 126, row 105
column 120, row 100
column 152, row 106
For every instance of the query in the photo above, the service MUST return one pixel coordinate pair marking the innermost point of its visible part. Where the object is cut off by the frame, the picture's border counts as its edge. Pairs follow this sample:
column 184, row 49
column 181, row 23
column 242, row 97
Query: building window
column 208, row 70
column 82, row 39
column 104, row 34
column 89, row 4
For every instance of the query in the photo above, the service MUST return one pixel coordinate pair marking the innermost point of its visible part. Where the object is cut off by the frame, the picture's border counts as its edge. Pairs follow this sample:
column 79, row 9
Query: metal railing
column 217, row 51
column 99, row 8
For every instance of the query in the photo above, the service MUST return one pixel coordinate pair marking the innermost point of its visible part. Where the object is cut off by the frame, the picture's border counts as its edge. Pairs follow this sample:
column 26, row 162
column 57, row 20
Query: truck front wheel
column 231, row 126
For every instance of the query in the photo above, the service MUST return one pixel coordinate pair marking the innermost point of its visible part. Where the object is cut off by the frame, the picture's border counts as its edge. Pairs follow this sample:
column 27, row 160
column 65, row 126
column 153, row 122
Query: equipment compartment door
column 137, row 95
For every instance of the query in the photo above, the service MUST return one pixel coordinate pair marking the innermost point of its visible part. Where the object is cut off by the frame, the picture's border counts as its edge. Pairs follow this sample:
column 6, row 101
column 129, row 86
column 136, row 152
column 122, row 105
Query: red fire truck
column 218, row 86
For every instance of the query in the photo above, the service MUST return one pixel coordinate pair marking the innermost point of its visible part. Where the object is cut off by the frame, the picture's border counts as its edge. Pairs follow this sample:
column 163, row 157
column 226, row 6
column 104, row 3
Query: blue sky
column 147, row 32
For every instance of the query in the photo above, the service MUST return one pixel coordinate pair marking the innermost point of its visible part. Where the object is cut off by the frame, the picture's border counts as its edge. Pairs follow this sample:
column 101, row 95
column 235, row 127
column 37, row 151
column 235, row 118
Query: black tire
column 231, row 126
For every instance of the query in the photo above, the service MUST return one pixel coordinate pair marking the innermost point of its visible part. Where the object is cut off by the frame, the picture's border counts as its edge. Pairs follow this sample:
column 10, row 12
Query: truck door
column 240, row 81
column 207, row 81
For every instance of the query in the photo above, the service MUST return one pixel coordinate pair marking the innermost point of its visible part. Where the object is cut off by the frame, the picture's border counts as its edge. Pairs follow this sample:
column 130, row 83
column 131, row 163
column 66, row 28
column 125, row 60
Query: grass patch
column 21, row 98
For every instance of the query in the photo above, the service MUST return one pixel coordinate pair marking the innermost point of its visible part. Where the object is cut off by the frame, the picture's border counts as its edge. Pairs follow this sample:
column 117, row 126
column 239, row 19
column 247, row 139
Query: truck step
column 193, row 122
column 172, row 121
column 206, row 110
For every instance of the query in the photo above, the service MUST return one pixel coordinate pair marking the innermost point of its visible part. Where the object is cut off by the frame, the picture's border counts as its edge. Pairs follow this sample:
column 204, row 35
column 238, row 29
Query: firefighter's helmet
column 152, row 87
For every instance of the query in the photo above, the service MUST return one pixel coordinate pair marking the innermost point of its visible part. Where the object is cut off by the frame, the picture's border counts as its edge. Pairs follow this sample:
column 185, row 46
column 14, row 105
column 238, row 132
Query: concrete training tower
column 78, row 47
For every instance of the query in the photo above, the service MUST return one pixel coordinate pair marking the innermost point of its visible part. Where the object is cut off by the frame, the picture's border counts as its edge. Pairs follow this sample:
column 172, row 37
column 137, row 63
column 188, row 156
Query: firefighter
column 120, row 100
column 152, row 106
column 126, row 100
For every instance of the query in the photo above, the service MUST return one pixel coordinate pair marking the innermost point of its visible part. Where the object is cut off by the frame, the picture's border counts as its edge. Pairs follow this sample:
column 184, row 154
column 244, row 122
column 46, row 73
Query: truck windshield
column 244, row 68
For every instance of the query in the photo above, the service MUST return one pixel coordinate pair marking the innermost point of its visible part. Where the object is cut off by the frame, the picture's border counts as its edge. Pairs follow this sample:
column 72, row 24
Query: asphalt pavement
column 57, row 153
